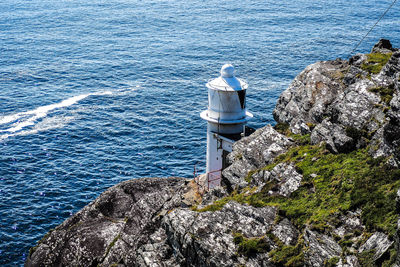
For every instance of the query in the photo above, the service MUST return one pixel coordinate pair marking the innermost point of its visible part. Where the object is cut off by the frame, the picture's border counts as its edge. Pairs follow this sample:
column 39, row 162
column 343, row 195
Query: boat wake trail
column 16, row 124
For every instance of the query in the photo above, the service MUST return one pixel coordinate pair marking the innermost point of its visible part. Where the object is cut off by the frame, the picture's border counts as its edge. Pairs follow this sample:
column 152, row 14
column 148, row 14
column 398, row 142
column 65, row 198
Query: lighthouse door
column 225, row 159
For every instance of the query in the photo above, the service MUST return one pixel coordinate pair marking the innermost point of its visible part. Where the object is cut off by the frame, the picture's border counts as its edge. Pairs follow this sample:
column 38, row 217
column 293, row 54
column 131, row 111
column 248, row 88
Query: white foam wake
column 21, row 120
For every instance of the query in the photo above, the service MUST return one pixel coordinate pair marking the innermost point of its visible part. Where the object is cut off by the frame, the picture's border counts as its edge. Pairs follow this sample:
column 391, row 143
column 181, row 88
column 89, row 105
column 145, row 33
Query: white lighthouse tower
column 226, row 117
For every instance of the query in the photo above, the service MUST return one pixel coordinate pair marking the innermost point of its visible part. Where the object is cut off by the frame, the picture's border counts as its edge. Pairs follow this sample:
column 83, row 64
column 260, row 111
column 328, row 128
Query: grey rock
column 391, row 136
column 309, row 95
column 142, row 223
column 357, row 60
column 350, row 223
column 320, row 248
column 253, row 152
column 206, row 238
column 356, row 106
column 287, row 176
column 112, row 228
column 336, row 96
column 383, row 46
column 334, row 136
column 379, row 242
column 286, row 232
column 350, row 261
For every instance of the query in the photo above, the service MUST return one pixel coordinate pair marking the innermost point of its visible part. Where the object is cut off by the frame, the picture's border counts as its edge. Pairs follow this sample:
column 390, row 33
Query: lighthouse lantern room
column 226, row 117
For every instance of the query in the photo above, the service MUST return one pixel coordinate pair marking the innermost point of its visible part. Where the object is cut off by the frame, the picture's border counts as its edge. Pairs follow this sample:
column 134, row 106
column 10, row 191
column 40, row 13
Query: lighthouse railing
column 214, row 179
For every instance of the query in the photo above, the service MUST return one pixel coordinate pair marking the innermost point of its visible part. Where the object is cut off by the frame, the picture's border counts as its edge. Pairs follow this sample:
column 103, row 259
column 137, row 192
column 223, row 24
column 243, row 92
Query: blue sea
column 96, row 92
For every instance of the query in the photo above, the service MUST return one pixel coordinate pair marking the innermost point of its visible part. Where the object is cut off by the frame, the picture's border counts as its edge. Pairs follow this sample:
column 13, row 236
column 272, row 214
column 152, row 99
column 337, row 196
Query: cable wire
column 365, row 36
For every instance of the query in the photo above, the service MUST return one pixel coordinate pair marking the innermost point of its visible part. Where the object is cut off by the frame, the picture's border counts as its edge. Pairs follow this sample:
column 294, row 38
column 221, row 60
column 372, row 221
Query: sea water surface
column 96, row 92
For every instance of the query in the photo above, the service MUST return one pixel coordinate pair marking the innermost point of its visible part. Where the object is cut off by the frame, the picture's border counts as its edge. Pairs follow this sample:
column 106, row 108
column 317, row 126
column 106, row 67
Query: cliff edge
column 320, row 188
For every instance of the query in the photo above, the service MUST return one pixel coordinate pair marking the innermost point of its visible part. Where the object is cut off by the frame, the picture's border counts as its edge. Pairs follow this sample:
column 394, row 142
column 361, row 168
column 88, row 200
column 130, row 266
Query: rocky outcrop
column 252, row 153
column 378, row 242
column 285, row 176
column 383, row 46
column 347, row 103
column 297, row 194
column 320, row 248
column 207, row 238
column 120, row 226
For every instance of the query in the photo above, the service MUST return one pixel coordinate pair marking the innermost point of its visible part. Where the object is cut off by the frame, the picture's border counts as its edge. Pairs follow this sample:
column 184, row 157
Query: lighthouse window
column 242, row 97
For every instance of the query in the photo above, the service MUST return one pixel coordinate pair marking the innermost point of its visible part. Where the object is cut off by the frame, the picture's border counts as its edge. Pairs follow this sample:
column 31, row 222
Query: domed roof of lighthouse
column 227, row 81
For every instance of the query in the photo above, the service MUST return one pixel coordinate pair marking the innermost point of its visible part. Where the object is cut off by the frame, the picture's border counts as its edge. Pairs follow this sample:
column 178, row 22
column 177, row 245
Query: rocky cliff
column 318, row 189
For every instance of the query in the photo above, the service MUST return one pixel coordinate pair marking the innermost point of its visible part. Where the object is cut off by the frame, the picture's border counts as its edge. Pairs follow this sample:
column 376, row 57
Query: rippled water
column 96, row 92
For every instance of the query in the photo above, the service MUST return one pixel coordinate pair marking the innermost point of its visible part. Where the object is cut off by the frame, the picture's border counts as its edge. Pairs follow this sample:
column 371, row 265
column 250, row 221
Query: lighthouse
column 226, row 117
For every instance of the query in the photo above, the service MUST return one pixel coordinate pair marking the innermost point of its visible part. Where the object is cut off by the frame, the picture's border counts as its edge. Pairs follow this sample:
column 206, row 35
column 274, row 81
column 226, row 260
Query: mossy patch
column 386, row 93
column 332, row 262
column 111, row 245
column 249, row 247
column 286, row 255
column 366, row 258
column 332, row 184
column 282, row 128
column 220, row 203
column 375, row 62
column 301, row 139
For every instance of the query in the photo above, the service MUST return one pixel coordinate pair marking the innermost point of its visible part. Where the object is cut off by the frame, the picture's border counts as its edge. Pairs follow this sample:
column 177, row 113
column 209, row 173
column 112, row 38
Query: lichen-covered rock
column 112, row 228
column 320, row 248
column 286, row 232
column 284, row 175
column 348, row 102
column 349, row 261
column 378, row 242
column 206, row 238
column 253, row 152
column 334, row 135
column 310, row 94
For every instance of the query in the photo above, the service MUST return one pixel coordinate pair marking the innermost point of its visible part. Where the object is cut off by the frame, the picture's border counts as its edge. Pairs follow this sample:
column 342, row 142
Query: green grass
column 282, row 128
column 342, row 182
column 332, row 184
column 249, row 247
column 375, row 62
column 386, row 93
column 116, row 238
column 220, row 203
column 366, row 258
column 300, row 139
column 332, row 262
column 289, row 255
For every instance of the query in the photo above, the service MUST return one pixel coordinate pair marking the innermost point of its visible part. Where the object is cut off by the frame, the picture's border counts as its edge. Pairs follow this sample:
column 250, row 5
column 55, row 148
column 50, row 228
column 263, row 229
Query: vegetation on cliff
column 332, row 185
column 375, row 62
